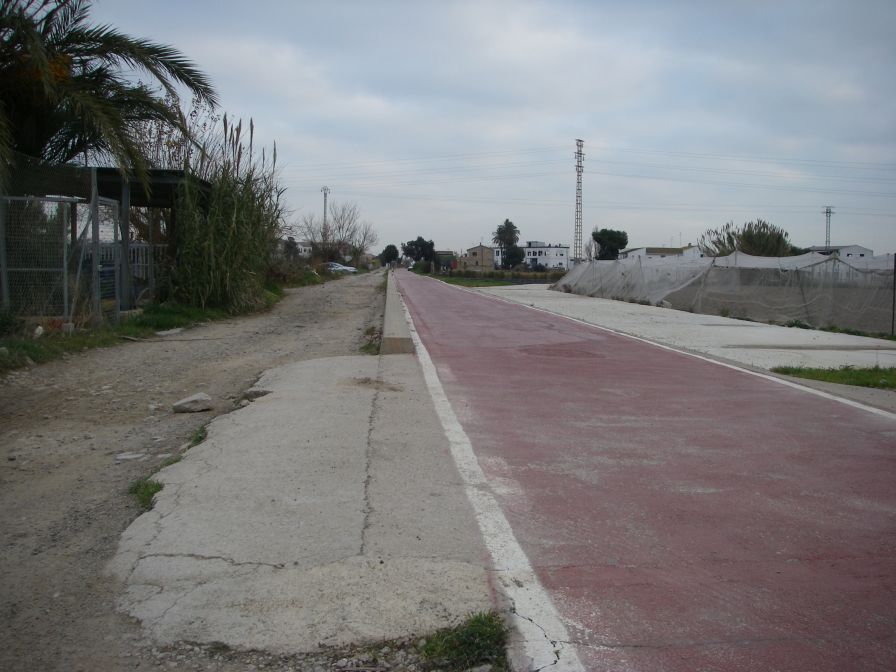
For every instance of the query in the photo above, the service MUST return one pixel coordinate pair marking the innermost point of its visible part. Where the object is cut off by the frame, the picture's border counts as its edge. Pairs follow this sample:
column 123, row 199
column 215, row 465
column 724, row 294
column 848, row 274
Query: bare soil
column 65, row 430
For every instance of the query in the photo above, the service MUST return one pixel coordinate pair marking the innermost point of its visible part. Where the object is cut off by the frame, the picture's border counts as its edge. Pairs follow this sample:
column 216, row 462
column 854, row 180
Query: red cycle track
column 681, row 515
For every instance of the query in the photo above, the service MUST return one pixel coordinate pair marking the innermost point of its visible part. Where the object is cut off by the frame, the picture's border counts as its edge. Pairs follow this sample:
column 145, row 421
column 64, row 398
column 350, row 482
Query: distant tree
column 343, row 234
column 419, row 249
column 609, row 242
column 364, row 239
column 389, row 254
column 758, row 238
column 505, row 237
column 513, row 256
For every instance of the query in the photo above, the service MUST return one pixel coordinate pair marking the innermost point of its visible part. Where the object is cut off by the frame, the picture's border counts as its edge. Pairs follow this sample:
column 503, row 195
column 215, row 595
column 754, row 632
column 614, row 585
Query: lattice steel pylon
column 828, row 211
column 577, row 237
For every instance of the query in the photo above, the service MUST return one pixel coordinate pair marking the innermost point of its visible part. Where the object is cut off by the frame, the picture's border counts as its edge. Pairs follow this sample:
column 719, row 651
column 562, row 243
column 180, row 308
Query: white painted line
column 787, row 383
column 544, row 640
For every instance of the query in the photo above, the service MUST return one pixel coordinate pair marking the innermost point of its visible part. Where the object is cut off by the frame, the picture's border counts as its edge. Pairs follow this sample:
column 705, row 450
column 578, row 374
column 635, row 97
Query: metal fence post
column 95, row 239
column 124, row 225
column 62, row 212
column 4, row 274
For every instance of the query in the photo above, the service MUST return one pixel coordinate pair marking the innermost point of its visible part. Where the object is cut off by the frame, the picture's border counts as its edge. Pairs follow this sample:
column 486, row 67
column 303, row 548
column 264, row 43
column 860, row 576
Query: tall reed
column 226, row 234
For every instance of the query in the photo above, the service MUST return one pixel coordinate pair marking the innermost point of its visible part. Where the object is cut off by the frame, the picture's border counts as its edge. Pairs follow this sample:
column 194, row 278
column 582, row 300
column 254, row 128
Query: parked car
column 334, row 267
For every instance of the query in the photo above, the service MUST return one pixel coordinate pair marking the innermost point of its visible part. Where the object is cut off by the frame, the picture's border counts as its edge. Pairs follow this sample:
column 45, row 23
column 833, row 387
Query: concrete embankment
column 396, row 335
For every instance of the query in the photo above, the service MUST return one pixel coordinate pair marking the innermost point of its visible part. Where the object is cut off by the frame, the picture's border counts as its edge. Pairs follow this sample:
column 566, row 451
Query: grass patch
column 163, row 316
column 200, row 435
column 476, row 282
column 302, row 278
column 144, row 490
column 481, row 639
column 883, row 378
column 374, row 339
column 19, row 349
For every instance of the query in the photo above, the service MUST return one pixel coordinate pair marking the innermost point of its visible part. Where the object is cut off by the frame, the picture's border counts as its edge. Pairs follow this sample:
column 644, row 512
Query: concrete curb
column 396, row 335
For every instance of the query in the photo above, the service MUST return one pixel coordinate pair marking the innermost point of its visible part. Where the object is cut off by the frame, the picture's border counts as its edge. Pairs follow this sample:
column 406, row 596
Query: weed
column 164, row 316
column 884, row 378
column 478, row 640
column 374, row 339
column 200, row 435
column 798, row 324
column 144, row 489
column 724, row 312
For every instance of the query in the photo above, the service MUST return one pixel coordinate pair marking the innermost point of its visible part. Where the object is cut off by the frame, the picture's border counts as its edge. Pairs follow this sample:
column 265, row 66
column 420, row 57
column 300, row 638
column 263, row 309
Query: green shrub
column 144, row 490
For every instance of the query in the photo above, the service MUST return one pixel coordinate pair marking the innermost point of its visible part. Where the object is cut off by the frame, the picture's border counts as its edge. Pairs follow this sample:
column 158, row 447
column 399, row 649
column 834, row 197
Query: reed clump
column 229, row 220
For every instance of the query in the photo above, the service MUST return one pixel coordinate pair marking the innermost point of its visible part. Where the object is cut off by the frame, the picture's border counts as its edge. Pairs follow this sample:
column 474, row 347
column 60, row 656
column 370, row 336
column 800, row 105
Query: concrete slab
column 751, row 343
column 327, row 512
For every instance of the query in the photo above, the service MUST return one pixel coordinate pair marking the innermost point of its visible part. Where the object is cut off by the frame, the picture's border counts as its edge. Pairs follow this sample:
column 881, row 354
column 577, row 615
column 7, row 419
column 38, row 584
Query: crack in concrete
column 371, row 422
column 553, row 642
column 229, row 561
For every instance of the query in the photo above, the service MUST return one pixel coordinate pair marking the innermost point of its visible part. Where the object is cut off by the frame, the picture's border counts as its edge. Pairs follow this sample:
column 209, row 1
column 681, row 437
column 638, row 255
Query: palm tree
column 64, row 91
column 505, row 237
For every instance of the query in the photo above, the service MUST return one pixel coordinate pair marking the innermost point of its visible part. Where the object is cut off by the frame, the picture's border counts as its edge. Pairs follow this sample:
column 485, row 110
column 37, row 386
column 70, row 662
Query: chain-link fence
column 62, row 258
column 59, row 259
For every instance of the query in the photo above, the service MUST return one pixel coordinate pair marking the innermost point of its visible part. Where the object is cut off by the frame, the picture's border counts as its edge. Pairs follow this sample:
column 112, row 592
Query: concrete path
column 327, row 512
column 750, row 343
column 680, row 514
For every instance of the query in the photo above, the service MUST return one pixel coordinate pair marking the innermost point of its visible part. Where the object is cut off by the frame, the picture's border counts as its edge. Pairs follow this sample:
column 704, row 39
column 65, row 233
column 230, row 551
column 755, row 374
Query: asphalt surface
column 679, row 513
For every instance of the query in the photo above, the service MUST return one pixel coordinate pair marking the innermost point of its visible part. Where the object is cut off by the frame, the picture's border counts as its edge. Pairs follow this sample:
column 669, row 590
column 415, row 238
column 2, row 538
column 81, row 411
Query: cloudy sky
column 443, row 118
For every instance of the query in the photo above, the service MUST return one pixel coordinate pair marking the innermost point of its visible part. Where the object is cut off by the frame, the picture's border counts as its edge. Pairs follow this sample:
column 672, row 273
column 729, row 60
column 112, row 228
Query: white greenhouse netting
column 813, row 288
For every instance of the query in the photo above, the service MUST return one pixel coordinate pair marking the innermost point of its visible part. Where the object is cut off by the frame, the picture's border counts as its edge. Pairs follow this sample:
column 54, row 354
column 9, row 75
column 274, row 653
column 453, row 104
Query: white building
column 537, row 252
column 843, row 251
column 688, row 252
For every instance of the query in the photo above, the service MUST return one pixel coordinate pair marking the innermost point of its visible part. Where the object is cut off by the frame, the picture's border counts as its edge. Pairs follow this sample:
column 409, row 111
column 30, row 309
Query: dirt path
column 63, row 502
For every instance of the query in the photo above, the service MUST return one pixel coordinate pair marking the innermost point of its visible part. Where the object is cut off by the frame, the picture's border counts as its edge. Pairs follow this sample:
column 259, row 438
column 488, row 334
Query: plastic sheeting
column 816, row 289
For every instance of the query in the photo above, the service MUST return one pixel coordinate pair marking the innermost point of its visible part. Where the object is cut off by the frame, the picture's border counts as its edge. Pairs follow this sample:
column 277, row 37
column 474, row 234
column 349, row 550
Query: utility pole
column 828, row 211
column 326, row 191
column 577, row 237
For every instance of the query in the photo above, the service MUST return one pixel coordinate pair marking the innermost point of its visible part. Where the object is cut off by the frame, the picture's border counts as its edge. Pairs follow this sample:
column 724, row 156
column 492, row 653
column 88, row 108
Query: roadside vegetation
column 144, row 490
column 19, row 347
column 519, row 275
column 875, row 376
column 479, row 640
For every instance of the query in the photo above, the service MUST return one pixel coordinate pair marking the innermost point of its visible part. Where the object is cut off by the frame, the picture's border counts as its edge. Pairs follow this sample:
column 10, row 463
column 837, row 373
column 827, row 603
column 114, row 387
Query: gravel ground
column 74, row 433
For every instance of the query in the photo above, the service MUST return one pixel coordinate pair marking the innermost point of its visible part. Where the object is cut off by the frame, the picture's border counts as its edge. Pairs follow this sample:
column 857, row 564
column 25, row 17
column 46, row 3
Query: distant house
column 843, row 251
column 300, row 249
column 687, row 252
column 479, row 258
column 445, row 259
column 539, row 253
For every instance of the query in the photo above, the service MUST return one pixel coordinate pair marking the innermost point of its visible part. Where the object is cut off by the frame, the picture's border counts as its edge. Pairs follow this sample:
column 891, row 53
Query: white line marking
column 544, row 638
